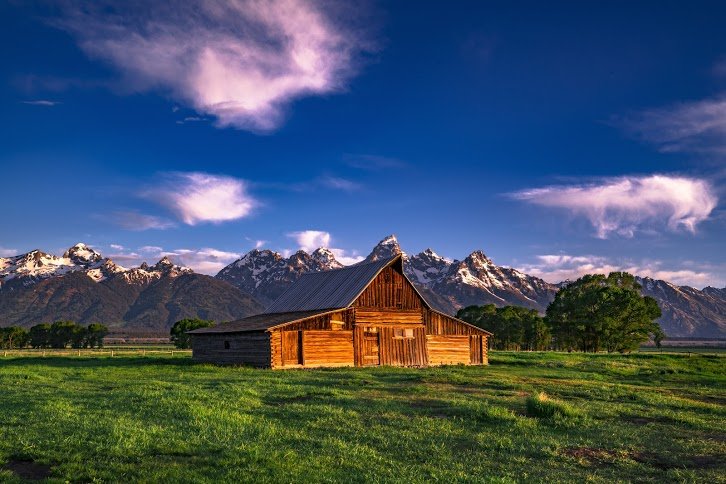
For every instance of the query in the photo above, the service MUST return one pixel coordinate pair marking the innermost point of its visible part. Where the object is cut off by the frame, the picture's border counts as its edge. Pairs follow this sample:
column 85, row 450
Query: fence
column 95, row 353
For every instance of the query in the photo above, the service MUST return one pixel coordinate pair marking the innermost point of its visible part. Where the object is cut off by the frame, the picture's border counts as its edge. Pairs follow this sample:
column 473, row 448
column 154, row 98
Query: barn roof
column 313, row 294
column 258, row 322
column 333, row 289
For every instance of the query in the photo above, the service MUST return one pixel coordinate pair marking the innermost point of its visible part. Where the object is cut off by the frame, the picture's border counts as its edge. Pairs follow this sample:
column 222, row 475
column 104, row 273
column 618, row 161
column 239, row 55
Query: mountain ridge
column 451, row 284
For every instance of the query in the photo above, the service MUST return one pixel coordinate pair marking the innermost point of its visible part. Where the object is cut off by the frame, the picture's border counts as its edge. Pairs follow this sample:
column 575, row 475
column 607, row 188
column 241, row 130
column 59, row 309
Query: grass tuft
column 542, row 406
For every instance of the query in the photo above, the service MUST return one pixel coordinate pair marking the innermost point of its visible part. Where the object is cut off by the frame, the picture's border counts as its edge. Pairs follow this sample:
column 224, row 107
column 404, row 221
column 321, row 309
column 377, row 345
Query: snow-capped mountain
column 35, row 266
column 266, row 274
column 451, row 284
column 84, row 286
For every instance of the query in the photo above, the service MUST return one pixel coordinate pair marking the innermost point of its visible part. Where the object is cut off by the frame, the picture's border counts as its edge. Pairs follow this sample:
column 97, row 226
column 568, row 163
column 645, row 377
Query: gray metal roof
column 333, row 289
column 258, row 322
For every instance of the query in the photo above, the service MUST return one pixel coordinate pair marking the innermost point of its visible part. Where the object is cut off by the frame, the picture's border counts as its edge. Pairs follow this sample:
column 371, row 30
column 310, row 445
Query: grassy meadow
column 526, row 417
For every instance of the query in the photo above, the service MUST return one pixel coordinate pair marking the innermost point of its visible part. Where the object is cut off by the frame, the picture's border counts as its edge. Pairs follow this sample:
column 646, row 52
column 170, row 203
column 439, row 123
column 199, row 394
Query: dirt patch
column 28, row 469
column 592, row 455
column 603, row 457
column 641, row 420
column 688, row 462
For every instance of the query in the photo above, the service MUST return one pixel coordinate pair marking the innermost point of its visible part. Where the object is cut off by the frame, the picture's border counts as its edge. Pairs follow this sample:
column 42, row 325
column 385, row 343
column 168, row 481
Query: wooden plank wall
column 449, row 350
column 323, row 322
column 389, row 290
column 244, row 348
column 402, row 351
column 387, row 316
column 327, row 348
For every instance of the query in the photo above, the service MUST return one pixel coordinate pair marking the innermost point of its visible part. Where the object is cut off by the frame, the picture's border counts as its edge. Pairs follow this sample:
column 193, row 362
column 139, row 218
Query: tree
column 603, row 313
column 514, row 327
column 63, row 333
column 13, row 337
column 40, row 335
column 180, row 328
column 95, row 334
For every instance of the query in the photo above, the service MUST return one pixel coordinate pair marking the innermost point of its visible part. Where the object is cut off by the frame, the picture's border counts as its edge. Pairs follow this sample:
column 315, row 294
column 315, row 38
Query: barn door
column 292, row 348
column 370, row 347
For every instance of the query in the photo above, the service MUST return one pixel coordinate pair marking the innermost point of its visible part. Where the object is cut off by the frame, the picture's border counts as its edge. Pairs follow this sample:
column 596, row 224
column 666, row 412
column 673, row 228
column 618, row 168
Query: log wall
column 244, row 348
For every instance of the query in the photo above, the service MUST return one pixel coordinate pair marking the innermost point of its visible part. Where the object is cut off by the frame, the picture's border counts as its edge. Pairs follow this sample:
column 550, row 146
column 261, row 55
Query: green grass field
column 645, row 417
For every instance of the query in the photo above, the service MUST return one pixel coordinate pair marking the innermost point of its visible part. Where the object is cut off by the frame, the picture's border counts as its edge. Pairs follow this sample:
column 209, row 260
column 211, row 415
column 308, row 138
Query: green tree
column 40, row 336
column 63, row 333
column 180, row 328
column 598, row 313
column 13, row 337
column 95, row 334
column 514, row 327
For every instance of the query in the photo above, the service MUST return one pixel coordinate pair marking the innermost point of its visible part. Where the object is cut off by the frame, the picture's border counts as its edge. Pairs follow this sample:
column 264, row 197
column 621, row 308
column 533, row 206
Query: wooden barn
column 367, row 314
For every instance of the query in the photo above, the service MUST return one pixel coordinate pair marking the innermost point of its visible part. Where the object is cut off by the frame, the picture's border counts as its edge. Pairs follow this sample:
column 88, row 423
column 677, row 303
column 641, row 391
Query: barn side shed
column 368, row 314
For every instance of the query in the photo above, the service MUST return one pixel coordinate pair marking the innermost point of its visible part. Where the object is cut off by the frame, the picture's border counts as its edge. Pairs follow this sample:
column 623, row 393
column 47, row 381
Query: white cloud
column 259, row 243
column 7, row 252
column 117, row 246
column 150, row 248
column 242, row 61
column 697, row 126
column 204, row 260
column 347, row 257
column 559, row 267
column 625, row 205
column 201, row 197
column 309, row 240
column 139, row 221
column 41, row 102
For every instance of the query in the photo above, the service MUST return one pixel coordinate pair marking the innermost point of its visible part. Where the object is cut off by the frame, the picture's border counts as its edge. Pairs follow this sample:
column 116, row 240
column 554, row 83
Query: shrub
column 541, row 406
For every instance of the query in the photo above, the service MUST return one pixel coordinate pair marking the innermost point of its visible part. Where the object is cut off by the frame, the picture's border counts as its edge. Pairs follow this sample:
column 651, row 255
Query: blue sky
column 560, row 139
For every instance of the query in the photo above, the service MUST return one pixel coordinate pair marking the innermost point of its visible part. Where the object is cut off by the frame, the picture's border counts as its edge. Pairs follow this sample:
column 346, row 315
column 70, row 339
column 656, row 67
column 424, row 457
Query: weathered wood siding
column 327, row 348
column 445, row 325
column 448, row 350
column 389, row 290
column 244, row 348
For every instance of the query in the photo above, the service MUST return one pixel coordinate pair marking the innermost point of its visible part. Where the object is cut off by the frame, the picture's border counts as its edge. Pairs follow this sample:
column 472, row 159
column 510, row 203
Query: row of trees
column 57, row 335
column 594, row 313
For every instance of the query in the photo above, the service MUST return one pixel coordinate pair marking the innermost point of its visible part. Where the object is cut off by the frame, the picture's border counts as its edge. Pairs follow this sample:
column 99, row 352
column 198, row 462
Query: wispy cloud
column 309, row 240
column 41, row 102
column 560, row 267
column 117, row 247
column 695, row 127
column 7, row 252
column 204, row 260
column 372, row 162
column 625, row 205
column 241, row 61
column 339, row 183
column 136, row 221
column 200, row 197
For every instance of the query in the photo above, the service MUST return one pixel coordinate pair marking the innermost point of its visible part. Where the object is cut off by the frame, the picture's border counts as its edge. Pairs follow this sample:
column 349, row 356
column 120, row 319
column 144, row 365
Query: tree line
column 594, row 313
column 60, row 334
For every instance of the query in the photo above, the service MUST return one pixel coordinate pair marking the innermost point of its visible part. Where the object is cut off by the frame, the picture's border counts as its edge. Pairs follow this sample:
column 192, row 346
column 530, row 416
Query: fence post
column 111, row 353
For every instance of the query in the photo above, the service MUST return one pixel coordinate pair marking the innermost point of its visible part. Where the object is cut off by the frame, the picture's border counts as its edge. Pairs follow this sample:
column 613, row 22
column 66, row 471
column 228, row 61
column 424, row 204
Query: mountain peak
column 326, row 258
column 82, row 254
column 387, row 247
